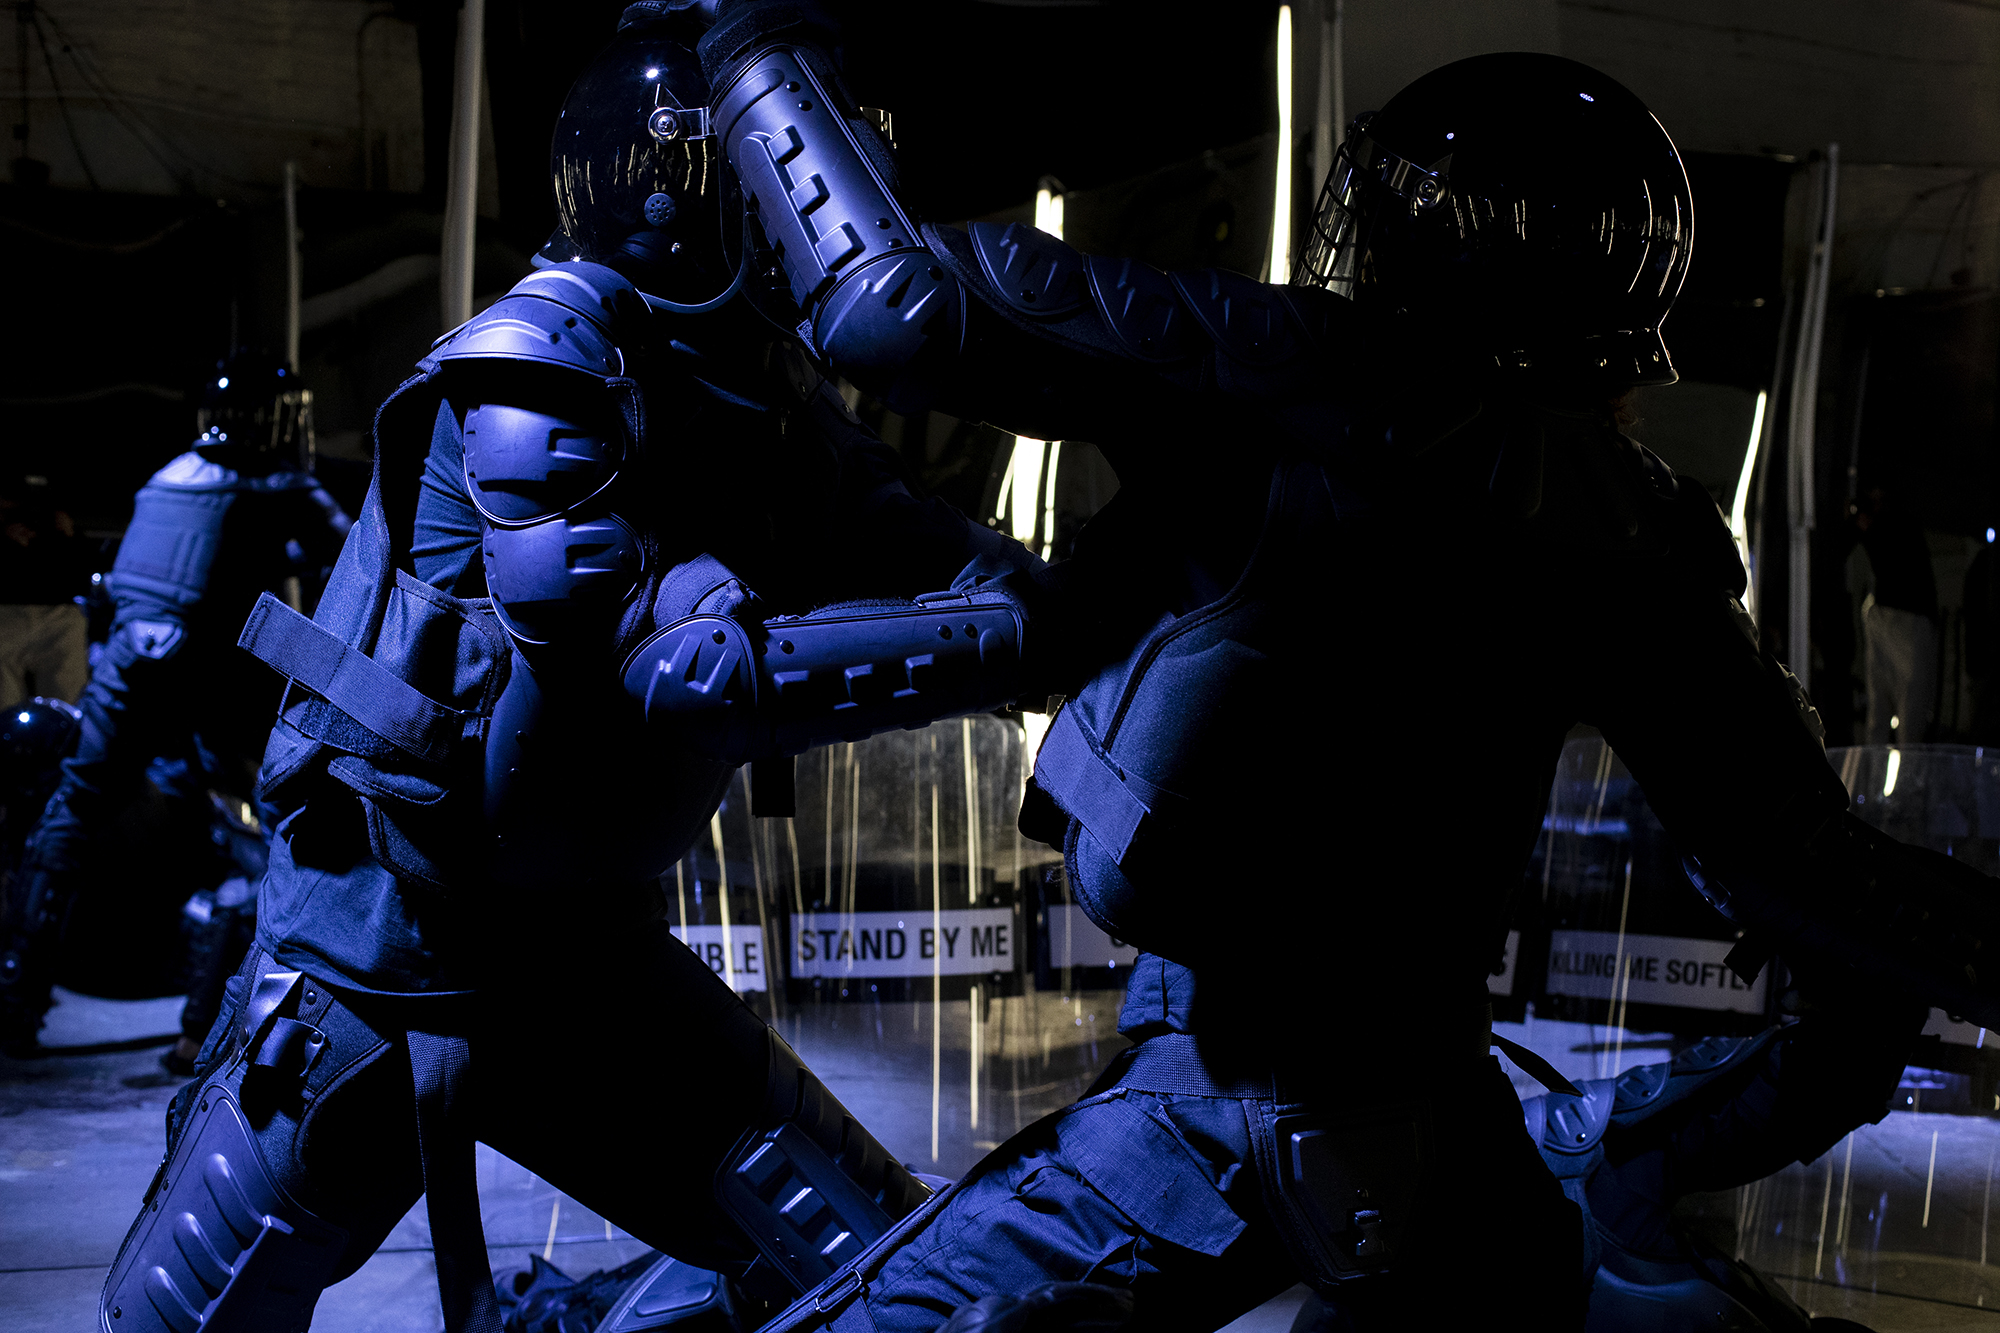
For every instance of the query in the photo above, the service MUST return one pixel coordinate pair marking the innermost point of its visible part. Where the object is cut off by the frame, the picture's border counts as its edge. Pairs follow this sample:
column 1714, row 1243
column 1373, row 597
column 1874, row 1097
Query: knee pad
column 219, row 1247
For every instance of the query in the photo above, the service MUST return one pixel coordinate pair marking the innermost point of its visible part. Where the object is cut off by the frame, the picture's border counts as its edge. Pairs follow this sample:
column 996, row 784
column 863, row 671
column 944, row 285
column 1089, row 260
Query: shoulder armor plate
column 1142, row 308
column 1246, row 318
column 1319, row 314
column 569, row 315
column 1034, row 272
column 1572, row 1126
column 191, row 471
column 522, row 466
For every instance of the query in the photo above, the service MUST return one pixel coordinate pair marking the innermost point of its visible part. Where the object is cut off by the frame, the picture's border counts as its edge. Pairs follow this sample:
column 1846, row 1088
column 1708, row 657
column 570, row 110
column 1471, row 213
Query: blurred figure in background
column 43, row 650
column 173, row 698
column 1898, row 621
column 1982, row 644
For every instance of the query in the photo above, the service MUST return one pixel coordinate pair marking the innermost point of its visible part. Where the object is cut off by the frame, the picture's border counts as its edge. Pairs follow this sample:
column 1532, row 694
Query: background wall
column 143, row 215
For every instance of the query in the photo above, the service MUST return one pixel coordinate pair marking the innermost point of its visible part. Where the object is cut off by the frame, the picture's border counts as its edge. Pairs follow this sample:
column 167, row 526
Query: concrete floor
column 82, row 1132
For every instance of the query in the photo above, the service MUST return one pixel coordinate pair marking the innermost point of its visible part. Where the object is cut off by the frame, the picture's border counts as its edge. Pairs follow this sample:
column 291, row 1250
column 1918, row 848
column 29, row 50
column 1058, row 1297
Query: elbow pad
column 741, row 692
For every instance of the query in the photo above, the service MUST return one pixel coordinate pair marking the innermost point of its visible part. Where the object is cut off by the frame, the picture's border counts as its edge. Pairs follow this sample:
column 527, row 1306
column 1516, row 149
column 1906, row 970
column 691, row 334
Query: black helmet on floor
column 36, row 735
column 255, row 416
column 638, row 178
column 1529, row 205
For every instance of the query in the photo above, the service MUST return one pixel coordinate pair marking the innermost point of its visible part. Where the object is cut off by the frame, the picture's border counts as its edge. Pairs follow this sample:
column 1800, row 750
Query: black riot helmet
column 638, row 178
column 1526, row 206
column 36, row 735
column 255, row 416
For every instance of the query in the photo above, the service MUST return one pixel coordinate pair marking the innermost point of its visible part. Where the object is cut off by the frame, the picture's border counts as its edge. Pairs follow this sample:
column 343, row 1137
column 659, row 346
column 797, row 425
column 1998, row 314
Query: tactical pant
column 617, row 1067
column 1169, row 1195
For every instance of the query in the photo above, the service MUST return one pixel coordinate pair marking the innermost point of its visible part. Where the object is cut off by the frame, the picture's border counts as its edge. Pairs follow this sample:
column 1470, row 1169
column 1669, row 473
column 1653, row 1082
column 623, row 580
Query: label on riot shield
column 960, row 942
column 1650, row 969
column 1077, row 941
column 734, row 953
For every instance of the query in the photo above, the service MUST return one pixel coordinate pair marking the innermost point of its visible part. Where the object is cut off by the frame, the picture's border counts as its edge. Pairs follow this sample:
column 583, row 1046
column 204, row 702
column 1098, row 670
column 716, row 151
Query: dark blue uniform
column 205, row 541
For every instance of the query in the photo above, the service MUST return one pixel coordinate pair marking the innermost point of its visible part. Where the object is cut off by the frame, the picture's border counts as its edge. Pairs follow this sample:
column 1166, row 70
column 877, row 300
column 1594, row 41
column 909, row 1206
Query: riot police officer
column 238, row 515
column 1443, row 556
column 611, row 548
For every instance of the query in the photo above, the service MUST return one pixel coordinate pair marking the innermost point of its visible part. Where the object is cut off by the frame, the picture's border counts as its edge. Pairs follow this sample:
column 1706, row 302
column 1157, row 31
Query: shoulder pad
column 1247, row 318
column 1142, row 308
column 1569, row 1131
column 1704, row 537
column 192, row 472
column 1319, row 314
column 570, row 315
column 1646, row 1090
column 1573, row 1125
column 1658, row 475
column 1034, row 272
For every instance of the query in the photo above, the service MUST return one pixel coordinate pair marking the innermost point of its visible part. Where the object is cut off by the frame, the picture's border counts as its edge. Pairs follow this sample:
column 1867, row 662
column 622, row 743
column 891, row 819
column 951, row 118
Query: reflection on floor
column 1890, row 1229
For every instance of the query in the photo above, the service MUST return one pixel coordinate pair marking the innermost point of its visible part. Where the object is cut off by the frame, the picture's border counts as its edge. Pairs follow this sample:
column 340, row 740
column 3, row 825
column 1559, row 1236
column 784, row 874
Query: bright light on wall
column 1739, row 508
column 1048, row 210
column 1281, row 207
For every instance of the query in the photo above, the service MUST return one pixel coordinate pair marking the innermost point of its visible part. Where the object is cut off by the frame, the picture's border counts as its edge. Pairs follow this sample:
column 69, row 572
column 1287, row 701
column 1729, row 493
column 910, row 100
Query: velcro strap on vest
column 1073, row 770
column 356, row 684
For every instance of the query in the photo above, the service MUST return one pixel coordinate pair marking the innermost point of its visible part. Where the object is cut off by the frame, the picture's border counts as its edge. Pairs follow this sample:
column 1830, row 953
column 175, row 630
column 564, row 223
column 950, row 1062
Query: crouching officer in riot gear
column 1445, row 535
column 602, row 561
column 239, row 515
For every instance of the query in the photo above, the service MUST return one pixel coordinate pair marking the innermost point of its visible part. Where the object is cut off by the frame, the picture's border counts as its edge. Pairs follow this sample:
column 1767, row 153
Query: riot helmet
column 1521, row 205
column 255, row 416
column 639, row 181
column 36, row 735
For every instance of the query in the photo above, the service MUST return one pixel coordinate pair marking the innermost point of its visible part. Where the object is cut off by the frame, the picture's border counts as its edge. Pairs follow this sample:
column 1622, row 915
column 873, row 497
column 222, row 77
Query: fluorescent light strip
column 1739, row 508
column 1281, row 215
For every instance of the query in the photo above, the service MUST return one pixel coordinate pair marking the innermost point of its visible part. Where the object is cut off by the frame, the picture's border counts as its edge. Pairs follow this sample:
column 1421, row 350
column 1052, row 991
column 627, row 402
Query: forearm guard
column 741, row 692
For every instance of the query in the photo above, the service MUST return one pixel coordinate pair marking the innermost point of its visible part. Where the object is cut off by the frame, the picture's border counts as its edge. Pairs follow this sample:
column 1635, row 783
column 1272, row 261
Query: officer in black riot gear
column 609, row 553
column 238, row 515
column 1429, row 542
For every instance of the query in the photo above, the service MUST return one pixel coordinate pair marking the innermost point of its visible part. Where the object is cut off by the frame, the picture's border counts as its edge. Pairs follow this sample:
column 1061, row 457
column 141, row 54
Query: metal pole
column 1323, row 121
column 294, row 270
column 1805, row 393
column 461, row 205
column 1339, row 74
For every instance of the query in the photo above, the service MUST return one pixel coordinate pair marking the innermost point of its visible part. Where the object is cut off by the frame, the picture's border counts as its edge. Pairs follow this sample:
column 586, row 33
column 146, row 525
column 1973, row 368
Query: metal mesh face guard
column 1519, row 206
column 279, row 427
column 1335, row 243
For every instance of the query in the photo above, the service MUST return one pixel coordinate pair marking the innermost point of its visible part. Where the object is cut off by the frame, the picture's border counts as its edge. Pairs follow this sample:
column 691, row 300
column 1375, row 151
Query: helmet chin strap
column 664, row 306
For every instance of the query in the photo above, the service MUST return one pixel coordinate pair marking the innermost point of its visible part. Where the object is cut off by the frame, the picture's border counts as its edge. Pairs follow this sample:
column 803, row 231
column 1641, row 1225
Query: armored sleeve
column 1729, row 751
column 1002, row 322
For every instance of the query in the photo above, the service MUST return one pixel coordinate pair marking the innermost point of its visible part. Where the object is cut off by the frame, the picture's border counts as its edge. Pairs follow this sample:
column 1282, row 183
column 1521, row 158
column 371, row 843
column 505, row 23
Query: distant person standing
column 1898, row 621
column 1982, row 642
column 238, row 515
column 43, row 646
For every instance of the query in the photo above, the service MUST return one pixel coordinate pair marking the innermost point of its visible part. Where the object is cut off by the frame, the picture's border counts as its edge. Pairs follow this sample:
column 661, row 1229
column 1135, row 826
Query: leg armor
column 219, row 1246
column 809, row 1185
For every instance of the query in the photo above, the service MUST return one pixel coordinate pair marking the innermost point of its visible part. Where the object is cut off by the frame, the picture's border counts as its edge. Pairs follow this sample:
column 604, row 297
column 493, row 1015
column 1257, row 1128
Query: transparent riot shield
column 921, row 955
column 1616, row 963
